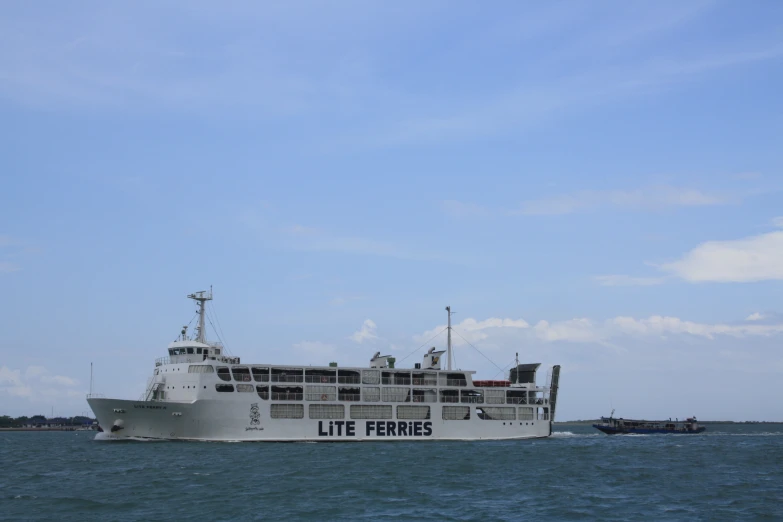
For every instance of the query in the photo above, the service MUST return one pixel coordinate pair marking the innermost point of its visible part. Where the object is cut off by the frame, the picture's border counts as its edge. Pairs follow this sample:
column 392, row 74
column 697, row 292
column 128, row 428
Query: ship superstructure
column 198, row 392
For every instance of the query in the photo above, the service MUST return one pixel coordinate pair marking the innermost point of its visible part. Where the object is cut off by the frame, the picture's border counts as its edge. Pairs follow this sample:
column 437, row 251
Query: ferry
column 199, row 392
column 612, row 426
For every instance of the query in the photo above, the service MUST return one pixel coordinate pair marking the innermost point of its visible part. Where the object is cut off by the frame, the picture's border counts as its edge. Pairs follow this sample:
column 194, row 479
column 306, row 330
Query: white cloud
column 10, row 377
column 36, row 385
column 755, row 316
column 366, row 333
column 751, row 259
column 59, row 379
column 471, row 330
column 625, row 280
column 640, row 199
column 755, row 258
column 584, row 330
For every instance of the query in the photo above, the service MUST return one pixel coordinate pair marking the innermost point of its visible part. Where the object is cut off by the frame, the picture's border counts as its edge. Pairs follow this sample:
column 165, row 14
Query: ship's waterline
column 200, row 393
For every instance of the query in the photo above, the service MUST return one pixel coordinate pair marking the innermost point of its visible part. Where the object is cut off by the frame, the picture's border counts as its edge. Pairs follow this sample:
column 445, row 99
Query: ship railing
column 349, row 380
column 96, row 396
column 287, row 378
column 472, row 400
column 425, row 382
column 456, row 382
column 349, row 397
column 325, row 379
column 276, row 396
column 160, row 361
column 448, row 398
column 405, row 381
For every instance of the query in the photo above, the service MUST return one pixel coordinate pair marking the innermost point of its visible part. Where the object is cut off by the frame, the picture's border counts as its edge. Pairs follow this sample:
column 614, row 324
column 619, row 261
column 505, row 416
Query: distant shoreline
column 596, row 421
column 58, row 428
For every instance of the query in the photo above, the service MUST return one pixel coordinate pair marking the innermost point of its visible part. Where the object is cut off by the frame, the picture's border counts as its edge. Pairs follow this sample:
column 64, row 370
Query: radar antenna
column 201, row 297
column 448, row 342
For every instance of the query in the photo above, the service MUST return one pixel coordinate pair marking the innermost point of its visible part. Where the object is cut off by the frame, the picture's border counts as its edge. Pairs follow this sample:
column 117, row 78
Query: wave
column 107, row 437
column 572, row 434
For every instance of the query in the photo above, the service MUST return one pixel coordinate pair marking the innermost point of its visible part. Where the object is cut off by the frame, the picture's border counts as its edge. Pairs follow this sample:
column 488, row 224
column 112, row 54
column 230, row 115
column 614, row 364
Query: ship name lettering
column 335, row 428
column 398, row 429
column 376, row 429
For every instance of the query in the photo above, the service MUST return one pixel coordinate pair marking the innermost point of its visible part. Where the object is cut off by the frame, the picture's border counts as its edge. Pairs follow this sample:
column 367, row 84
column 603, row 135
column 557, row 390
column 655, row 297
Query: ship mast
column 448, row 342
column 201, row 297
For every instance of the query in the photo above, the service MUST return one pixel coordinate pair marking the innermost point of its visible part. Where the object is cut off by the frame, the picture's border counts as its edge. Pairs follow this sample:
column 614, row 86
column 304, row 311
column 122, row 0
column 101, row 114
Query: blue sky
column 594, row 184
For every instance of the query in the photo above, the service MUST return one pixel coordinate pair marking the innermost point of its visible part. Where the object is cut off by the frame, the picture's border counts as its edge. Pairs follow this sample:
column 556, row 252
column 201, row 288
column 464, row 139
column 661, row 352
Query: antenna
column 448, row 342
column 201, row 297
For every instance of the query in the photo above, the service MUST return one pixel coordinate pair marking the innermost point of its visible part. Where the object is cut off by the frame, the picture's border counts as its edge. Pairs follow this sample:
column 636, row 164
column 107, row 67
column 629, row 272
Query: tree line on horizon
column 18, row 422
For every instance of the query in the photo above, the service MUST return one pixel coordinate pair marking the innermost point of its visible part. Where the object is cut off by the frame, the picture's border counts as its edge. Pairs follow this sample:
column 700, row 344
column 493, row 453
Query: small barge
column 612, row 426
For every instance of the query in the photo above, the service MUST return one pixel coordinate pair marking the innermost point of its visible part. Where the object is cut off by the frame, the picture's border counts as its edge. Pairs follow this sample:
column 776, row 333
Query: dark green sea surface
column 732, row 472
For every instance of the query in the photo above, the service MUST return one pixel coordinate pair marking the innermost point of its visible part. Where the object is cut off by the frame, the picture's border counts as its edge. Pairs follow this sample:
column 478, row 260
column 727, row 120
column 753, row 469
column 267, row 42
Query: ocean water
column 732, row 472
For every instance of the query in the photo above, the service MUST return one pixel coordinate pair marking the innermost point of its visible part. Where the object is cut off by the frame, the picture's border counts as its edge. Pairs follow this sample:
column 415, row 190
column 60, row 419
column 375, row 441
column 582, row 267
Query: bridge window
column 496, row 413
column 247, row 388
column 456, row 412
column 327, row 411
column 413, row 412
column 223, row 373
column 359, row 411
column 224, row 387
column 200, row 368
column 286, row 411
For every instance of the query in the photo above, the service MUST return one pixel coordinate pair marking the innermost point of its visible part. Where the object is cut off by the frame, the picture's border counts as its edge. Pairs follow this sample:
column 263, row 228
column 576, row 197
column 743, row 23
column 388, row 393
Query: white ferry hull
column 222, row 420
